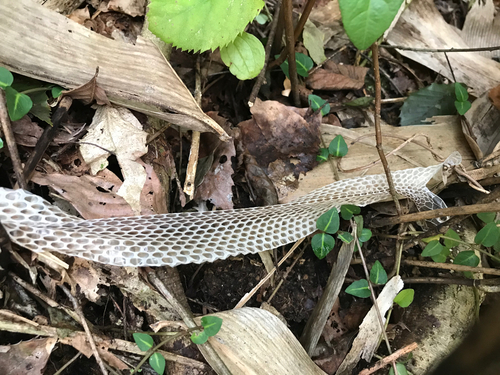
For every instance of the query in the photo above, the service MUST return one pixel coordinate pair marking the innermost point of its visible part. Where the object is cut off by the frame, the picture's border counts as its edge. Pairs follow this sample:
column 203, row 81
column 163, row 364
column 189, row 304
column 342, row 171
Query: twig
column 11, row 142
column 285, row 275
column 58, row 372
column 249, row 295
column 454, row 267
column 378, row 131
column 451, row 281
column 85, row 326
column 290, row 47
column 260, row 79
column 189, row 184
column 478, row 49
column 442, row 212
column 390, row 359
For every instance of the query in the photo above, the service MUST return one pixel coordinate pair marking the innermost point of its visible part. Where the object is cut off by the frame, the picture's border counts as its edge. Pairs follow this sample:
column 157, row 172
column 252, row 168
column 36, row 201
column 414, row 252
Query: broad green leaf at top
column 244, row 56
column 466, row 258
column 329, row 222
column 348, row 210
column 432, row 248
column 366, row 20
column 201, row 25
column 338, row 147
column 6, row 77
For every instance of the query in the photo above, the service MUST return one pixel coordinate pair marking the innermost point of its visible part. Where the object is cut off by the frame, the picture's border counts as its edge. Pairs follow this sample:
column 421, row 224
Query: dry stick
column 317, row 321
column 249, row 295
column 454, row 267
column 442, row 212
column 285, row 275
column 478, row 49
column 290, row 47
column 11, row 142
column 378, row 131
column 260, row 79
column 85, row 326
column 189, row 184
column 452, row 281
column 58, row 372
column 206, row 349
column 390, row 359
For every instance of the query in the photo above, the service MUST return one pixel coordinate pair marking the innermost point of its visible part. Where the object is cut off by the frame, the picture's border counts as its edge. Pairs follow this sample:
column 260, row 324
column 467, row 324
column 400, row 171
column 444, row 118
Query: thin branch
column 390, row 359
column 451, row 266
column 478, row 49
column 290, row 47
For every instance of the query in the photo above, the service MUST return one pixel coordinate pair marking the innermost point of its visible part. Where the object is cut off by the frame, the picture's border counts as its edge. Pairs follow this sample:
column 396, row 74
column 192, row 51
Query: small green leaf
column 462, row 107
column 244, row 56
column 349, row 210
column 18, row 104
column 442, row 256
column 487, row 217
column 1, row 143
column 261, row 18
column 377, row 274
column 329, row 222
column 466, row 258
column 157, row 362
column 345, row 237
column 56, row 91
column 461, row 92
column 364, row 101
column 488, row 236
column 322, row 244
column 304, row 65
column 315, row 102
column 143, row 341
column 405, row 297
column 365, row 235
column 432, row 248
column 359, row 289
column 323, row 155
column 451, row 243
column 6, row 77
column 400, row 368
column 338, row 147
column 199, row 338
column 358, row 219
column 211, row 325
column 496, row 246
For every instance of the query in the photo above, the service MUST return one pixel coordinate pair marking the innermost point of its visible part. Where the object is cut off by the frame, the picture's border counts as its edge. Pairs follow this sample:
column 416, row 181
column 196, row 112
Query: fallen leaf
column 27, row 133
column 134, row 8
column 118, row 131
column 313, row 41
column 263, row 189
column 494, row 95
column 337, row 77
column 80, row 15
column 27, row 357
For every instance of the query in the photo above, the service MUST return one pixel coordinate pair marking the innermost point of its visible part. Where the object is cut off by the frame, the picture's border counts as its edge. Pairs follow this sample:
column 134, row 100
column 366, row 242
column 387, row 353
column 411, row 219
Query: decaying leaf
column 118, row 131
column 134, row 8
column 337, row 77
column 264, row 192
column 27, row 357
column 313, row 41
column 28, row 132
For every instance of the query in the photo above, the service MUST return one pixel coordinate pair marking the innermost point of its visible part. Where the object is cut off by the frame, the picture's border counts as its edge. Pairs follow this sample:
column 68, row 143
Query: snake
column 173, row 239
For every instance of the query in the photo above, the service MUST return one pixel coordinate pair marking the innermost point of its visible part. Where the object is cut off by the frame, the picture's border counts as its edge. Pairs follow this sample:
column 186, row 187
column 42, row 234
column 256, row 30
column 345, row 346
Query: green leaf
column 261, row 18
column 345, row 237
column 313, row 39
column 201, row 25
column 211, row 325
column 366, row 20
column 349, row 210
column 405, row 297
column 466, row 258
column 430, row 101
column 400, row 368
column 442, row 256
column 487, row 217
column 56, row 91
column 244, row 56
column 323, row 155
column 329, row 222
column 462, row 107
column 364, row 235
column 364, row 101
column 143, row 341
column 1, row 143
column 358, row 219
column 157, row 362
column 304, row 65
column 18, row 104
column 432, row 248
column 315, row 102
column 359, row 289
column 488, row 236
column 199, row 338
column 496, row 246
column 6, row 77
column 461, row 92
column 40, row 107
column 451, row 243
column 322, row 244
column 338, row 147
column 377, row 274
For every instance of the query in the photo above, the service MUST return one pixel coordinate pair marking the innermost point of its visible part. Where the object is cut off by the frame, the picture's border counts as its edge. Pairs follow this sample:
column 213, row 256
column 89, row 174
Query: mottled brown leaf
column 337, row 77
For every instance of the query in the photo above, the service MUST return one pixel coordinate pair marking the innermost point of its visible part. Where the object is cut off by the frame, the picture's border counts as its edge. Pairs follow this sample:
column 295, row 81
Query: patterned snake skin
column 196, row 237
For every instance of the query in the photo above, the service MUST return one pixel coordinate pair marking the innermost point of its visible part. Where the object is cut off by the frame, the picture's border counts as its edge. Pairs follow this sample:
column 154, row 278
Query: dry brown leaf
column 28, row 132
column 89, row 91
column 80, row 15
column 494, row 95
column 263, row 189
column 134, row 8
column 83, row 274
column 27, row 357
column 337, row 77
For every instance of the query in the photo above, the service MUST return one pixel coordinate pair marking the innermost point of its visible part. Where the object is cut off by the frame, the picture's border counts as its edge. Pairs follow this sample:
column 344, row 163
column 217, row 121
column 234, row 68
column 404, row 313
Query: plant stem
column 290, row 47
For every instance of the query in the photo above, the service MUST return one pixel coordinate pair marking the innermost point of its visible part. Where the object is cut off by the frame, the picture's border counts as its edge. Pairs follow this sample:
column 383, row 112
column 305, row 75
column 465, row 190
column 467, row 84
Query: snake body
column 196, row 237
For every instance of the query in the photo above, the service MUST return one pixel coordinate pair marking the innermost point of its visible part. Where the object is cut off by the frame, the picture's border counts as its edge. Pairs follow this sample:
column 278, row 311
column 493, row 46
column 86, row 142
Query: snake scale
column 196, row 237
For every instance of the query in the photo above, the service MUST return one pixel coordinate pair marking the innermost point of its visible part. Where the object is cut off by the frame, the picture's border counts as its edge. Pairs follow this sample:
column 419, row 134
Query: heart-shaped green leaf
column 211, row 325
column 432, row 248
column 18, row 104
column 329, row 222
column 338, row 147
column 359, row 289
column 488, row 236
column 244, row 56
column 157, row 362
column 467, row 258
column 377, row 274
column 143, row 341
column 6, row 77
column 405, row 297
column 315, row 102
column 345, row 237
column 322, row 244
